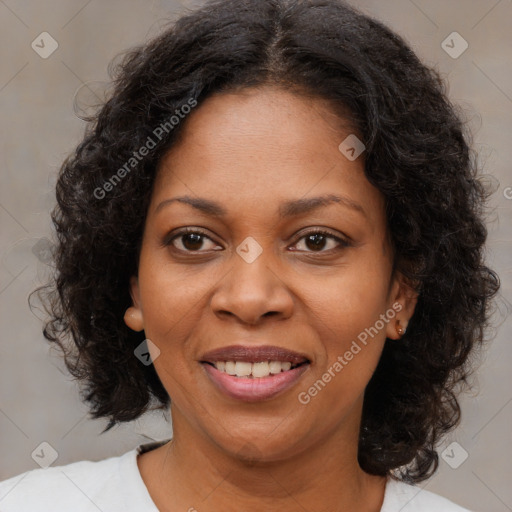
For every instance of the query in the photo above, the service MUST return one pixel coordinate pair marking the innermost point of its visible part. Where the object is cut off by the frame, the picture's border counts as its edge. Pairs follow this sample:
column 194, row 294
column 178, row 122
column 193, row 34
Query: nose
column 252, row 291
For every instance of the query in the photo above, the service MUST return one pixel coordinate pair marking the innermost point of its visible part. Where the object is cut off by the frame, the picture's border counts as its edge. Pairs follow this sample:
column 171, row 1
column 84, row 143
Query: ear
column 402, row 299
column 133, row 317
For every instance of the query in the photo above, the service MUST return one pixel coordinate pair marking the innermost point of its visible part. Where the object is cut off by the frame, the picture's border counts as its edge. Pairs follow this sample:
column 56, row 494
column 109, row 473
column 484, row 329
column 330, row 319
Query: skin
column 251, row 151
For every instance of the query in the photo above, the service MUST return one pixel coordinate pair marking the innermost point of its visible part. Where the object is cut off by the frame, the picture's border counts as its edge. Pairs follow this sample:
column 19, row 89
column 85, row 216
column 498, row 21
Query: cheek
column 171, row 295
column 345, row 312
column 348, row 301
column 175, row 300
column 168, row 314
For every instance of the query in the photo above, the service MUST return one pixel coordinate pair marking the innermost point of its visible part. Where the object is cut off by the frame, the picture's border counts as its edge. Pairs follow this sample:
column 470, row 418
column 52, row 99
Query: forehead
column 262, row 146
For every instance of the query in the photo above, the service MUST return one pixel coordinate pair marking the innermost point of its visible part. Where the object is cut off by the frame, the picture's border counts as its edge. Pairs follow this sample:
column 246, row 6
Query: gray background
column 38, row 128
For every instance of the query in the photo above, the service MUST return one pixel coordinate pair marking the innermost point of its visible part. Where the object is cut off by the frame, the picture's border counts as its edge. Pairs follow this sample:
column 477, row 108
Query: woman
column 274, row 228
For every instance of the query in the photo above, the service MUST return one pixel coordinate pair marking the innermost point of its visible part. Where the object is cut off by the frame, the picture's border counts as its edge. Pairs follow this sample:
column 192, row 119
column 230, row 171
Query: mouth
column 254, row 373
column 256, row 370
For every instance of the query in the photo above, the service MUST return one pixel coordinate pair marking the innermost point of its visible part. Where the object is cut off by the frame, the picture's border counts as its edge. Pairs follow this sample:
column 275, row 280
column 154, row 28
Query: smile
column 263, row 384
column 253, row 373
column 253, row 370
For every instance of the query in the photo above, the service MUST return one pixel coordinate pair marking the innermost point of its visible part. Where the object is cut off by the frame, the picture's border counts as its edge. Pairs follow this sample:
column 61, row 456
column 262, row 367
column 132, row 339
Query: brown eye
column 316, row 241
column 191, row 240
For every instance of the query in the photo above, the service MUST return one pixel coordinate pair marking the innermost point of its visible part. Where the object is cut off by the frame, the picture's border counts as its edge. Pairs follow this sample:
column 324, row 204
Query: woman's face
column 256, row 164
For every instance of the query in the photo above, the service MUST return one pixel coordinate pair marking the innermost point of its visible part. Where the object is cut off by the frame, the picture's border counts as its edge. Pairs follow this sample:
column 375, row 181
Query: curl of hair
column 417, row 155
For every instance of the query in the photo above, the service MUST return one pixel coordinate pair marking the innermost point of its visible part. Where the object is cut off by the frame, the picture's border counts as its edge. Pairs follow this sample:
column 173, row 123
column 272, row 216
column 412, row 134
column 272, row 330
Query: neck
column 191, row 472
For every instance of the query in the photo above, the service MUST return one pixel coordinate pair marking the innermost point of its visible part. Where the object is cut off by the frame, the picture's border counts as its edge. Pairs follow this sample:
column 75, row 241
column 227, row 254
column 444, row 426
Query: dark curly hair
column 418, row 155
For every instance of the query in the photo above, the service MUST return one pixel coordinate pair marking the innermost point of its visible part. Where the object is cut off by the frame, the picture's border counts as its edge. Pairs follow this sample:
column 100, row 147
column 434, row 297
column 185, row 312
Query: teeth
column 246, row 369
column 243, row 369
column 230, row 367
column 261, row 369
column 275, row 366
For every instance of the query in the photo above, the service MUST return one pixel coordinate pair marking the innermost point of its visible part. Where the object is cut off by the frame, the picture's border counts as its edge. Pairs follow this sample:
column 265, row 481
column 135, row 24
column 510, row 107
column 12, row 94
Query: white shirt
column 115, row 485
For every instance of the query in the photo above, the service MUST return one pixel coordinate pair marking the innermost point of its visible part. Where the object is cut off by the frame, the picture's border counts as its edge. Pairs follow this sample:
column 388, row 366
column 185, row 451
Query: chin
column 263, row 447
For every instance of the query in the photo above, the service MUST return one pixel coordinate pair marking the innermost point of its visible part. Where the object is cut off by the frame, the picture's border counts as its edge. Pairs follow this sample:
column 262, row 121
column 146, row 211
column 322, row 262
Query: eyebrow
column 287, row 209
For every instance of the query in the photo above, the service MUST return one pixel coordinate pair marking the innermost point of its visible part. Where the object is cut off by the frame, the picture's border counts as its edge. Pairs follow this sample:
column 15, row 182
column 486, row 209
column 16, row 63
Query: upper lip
column 253, row 354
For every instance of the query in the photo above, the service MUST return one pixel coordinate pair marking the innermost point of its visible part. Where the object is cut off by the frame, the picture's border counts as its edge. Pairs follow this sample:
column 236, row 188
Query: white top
column 115, row 485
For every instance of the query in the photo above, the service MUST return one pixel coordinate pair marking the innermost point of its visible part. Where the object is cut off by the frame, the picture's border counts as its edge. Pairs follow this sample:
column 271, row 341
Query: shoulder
column 87, row 485
column 403, row 497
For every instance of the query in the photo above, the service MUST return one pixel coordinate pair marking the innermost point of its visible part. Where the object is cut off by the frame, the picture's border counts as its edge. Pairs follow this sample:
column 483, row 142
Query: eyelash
column 343, row 243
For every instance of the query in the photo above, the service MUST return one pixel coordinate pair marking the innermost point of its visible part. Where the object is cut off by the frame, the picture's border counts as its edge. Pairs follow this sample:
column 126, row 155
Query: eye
column 190, row 239
column 194, row 239
column 316, row 240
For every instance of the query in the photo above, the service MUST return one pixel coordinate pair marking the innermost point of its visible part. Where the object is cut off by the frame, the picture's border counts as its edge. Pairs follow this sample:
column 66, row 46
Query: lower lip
column 253, row 389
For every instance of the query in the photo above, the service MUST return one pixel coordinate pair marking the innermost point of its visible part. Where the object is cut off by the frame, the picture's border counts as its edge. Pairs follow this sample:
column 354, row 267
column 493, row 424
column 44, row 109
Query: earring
column 399, row 329
column 133, row 319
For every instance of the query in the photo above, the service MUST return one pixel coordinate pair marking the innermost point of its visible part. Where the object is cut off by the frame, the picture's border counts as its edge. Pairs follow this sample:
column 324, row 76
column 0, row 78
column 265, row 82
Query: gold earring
column 399, row 329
